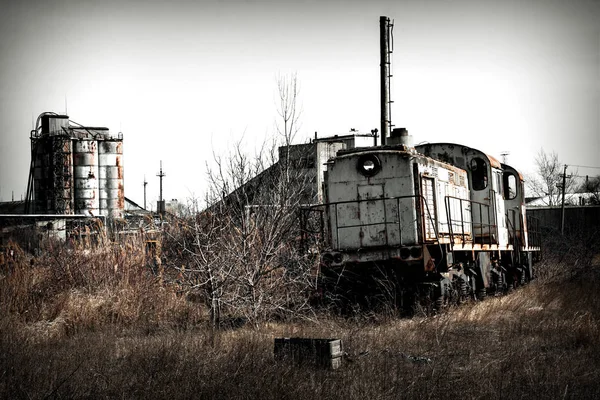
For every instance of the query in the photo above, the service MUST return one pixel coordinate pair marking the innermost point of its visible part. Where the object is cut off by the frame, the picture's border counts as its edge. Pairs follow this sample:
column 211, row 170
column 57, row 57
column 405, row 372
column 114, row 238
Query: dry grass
column 75, row 326
column 75, row 290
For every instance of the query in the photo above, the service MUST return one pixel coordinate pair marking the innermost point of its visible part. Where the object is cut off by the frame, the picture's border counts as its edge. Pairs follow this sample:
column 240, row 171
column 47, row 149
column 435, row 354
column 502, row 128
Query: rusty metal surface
column 89, row 133
column 494, row 162
column 53, row 174
column 372, row 211
column 85, row 160
column 455, row 154
column 111, row 189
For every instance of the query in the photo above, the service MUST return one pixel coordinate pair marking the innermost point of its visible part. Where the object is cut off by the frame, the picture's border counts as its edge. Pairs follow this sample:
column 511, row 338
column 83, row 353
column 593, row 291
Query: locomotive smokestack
column 384, row 45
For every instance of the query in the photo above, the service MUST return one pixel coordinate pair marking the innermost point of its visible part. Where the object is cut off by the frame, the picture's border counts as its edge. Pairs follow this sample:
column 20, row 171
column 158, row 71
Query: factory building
column 311, row 159
column 75, row 186
column 308, row 162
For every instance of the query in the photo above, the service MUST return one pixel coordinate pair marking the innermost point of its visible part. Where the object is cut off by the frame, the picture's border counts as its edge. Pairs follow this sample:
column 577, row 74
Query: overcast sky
column 182, row 79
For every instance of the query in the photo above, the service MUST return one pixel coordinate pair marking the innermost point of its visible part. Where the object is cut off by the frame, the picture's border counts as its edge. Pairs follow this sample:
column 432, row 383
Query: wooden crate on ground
column 325, row 353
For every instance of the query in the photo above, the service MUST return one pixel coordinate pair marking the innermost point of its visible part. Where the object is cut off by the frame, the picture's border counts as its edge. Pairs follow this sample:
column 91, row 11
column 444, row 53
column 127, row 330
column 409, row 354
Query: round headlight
column 368, row 165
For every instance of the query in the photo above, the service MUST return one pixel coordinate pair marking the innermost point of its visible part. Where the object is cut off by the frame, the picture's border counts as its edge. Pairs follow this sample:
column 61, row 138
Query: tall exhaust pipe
column 384, row 45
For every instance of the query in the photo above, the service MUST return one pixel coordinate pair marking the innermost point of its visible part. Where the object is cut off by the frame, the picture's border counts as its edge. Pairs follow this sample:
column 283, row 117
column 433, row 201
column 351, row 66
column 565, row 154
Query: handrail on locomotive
column 457, row 226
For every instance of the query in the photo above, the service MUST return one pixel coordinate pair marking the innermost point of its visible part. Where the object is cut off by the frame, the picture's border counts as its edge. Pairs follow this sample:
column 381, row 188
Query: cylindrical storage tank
column 112, row 195
column 52, row 174
column 85, row 171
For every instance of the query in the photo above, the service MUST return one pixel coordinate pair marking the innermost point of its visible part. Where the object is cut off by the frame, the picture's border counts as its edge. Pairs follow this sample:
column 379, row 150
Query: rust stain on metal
column 494, row 162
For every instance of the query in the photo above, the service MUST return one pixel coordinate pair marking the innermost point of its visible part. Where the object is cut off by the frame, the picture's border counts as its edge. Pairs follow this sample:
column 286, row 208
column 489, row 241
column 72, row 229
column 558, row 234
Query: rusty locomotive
column 437, row 221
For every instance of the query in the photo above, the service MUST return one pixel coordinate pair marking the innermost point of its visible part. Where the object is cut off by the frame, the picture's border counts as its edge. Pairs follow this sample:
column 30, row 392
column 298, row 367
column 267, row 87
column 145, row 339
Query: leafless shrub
column 242, row 252
column 548, row 179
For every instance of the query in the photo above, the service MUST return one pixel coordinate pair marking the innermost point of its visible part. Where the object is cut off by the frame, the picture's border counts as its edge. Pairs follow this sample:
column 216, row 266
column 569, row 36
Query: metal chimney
column 385, row 28
column 401, row 136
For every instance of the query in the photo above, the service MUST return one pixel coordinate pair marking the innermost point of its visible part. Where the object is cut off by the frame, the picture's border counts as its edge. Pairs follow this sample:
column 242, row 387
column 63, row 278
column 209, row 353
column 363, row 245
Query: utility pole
column 562, row 208
column 145, row 184
column 385, row 32
column 161, row 204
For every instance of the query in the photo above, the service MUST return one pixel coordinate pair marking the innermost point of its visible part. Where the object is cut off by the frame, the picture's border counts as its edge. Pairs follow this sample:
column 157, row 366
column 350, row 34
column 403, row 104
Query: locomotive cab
column 486, row 190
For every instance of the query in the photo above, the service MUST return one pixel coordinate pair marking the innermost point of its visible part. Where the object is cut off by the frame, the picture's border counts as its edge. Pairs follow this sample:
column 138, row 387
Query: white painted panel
column 372, row 215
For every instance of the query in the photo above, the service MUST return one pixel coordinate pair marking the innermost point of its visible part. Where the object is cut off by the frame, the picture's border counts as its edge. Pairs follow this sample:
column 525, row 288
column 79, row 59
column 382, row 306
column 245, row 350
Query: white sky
column 181, row 79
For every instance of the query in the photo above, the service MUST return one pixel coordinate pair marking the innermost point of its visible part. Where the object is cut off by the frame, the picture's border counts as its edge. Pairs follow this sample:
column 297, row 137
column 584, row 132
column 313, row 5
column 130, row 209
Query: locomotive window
column 479, row 174
column 368, row 165
column 498, row 187
column 510, row 186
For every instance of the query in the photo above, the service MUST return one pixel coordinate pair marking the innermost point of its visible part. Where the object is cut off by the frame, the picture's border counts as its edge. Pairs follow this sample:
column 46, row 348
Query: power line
column 583, row 176
column 582, row 166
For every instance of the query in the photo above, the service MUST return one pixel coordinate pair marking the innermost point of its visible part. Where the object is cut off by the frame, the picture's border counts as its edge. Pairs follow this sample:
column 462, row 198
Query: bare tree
column 591, row 186
column 241, row 252
column 288, row 107
column 547, row 182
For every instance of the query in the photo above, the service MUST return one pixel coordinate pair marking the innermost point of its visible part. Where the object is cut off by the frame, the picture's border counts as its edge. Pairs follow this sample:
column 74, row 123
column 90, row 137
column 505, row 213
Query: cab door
column 372, row 216
column 429, row 207
column 500, row 216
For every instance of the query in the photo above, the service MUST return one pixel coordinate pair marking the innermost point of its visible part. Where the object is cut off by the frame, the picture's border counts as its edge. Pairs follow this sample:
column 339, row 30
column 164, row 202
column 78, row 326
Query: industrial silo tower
column 75, row 169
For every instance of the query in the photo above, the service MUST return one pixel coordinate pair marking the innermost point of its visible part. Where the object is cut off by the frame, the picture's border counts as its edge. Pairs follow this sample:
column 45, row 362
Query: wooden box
column 326, row 353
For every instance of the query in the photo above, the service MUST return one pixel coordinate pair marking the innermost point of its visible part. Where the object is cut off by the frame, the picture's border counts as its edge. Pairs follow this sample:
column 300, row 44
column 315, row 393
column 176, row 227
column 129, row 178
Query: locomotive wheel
column 481, row 294
column 498, row 280
column 439, row 303
column 472, row 286
column 526, row 276
column 464, row 290
column 443, row 293
column 460, row 289
column 522, row 276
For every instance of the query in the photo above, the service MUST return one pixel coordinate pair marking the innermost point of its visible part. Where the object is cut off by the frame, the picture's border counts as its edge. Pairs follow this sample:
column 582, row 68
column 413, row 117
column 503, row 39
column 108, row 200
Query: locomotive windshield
column 510, row 185
column 479, row 175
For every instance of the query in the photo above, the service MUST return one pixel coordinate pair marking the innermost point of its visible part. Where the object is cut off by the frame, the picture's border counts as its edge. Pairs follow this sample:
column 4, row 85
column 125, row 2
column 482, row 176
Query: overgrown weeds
column 100, row 324
column 88, row 289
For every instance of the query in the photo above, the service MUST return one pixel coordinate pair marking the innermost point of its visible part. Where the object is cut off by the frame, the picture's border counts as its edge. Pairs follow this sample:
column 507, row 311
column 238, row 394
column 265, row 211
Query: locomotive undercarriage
column 409, row 286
